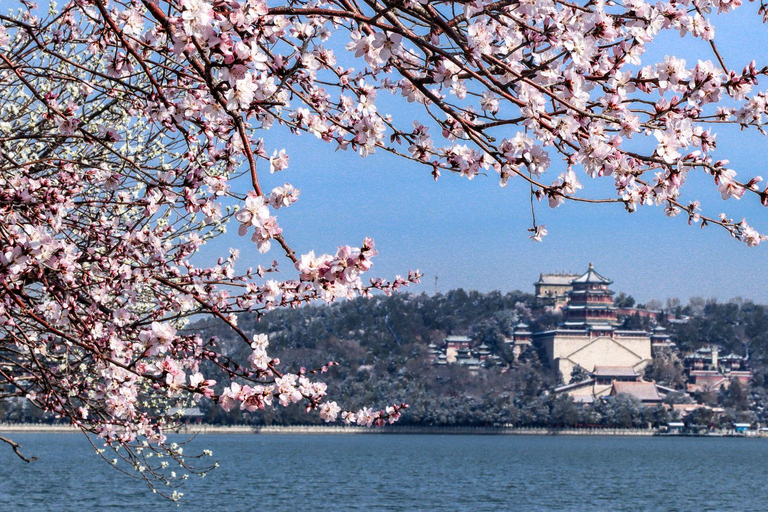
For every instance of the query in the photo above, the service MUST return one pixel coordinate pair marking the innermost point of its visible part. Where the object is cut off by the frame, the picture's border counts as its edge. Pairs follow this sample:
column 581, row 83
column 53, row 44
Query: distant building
column 520, row 340
column 456, row 350
column 607, row 375
column 551, row 290
column 661, row 341
column 465, row 357
column 453, row 345
column 711, row 380
column 675, row 426
column 607, row 381
column 708, row 371
column 434, row 353
column 646, row 392
column 709, row 358
column 706, row 358
column 732, row 363
column 589, row 334
column 742, row 428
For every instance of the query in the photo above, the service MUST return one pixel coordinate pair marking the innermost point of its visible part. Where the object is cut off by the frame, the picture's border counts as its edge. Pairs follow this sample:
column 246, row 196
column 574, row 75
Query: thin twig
column 16, row 449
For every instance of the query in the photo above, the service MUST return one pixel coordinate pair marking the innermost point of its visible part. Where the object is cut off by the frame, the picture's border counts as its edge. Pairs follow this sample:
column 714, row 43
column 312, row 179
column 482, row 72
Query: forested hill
column 387, row 329
column 381, row 345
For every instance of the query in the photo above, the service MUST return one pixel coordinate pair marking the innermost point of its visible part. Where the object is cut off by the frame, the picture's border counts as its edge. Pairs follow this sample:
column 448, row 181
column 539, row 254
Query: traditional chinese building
column 589, row 334
column 661, row 341
column 706, row 358
column 712, row 380
column 455, row 346
column 646, row 392
column 709, row 358
column 709, row 371
column 590, row 303
column 552, row 290
column 599, row 383
column 456, row 350
column 520, row 339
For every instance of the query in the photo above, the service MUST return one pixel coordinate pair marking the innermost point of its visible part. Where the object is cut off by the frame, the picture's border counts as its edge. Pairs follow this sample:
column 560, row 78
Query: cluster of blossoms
column 125, row 125
column 339, row 275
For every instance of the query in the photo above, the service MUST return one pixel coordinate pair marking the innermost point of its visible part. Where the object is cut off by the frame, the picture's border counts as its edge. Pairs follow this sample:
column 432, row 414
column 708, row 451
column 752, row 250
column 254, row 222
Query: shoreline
column 27, row 428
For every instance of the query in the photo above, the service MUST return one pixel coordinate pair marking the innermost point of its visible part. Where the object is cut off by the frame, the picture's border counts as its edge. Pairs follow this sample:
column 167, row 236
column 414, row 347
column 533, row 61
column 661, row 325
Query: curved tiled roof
column 644, row 391
column 591, row 277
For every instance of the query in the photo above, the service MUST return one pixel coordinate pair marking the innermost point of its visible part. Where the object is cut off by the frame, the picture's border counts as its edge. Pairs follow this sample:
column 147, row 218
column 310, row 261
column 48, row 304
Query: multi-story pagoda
column 590, row 303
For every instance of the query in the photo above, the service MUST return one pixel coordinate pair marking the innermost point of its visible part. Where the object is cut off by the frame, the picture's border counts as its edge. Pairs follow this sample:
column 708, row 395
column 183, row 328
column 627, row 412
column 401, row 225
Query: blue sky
column 473, row 234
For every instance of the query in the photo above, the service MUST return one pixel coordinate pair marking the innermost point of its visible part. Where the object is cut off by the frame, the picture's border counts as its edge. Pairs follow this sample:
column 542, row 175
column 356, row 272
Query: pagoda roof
column 705, row 352
column 591, row 277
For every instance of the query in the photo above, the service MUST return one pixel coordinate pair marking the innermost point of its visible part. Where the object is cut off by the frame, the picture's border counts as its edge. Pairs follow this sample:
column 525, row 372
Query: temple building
column 456, row 350
column 551, row 290
column 709, row 371
column 709, row 358
column 520, row 339
column 589, row 334
column 646, row 392
column 661, row 341
column 599, row 383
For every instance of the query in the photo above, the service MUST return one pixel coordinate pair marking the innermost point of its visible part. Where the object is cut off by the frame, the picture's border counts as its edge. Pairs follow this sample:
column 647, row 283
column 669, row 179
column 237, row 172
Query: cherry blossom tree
column 125, row 123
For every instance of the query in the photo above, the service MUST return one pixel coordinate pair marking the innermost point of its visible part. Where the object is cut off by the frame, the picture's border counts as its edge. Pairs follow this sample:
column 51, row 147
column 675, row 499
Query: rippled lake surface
column 408, row 472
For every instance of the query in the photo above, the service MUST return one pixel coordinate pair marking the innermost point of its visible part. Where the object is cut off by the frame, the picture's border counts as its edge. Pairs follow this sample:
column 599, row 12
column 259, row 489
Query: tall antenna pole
column 435, row 284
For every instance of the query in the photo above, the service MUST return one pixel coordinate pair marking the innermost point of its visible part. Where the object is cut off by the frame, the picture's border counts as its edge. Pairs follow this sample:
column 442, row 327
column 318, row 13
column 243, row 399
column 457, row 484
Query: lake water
column 402, row 472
